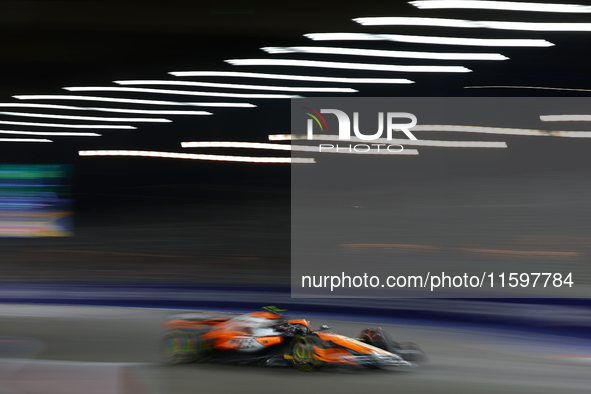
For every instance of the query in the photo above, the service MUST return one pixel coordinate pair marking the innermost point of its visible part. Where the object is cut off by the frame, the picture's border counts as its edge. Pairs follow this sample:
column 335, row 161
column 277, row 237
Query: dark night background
column 160, row 219
column 84, row 313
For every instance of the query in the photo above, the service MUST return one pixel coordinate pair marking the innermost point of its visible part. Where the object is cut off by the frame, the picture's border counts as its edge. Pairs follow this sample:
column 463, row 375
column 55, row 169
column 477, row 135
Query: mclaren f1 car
column 266, row 338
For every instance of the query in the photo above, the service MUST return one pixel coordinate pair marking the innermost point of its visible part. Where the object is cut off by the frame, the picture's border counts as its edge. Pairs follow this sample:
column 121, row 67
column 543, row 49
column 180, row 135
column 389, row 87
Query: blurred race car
column 265, row 338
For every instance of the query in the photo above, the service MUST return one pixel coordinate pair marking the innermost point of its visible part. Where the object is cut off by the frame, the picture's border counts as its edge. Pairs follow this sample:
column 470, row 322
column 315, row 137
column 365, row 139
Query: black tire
column 301, row 350
column 181, row 347
column 409, row 351
column 412, row 352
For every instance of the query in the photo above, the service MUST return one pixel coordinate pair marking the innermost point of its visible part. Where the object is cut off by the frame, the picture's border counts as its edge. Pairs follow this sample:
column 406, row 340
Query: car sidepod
column 339, row 349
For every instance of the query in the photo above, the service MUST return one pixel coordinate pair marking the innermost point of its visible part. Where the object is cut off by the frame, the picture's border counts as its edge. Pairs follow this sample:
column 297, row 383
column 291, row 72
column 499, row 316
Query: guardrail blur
column 560, row 316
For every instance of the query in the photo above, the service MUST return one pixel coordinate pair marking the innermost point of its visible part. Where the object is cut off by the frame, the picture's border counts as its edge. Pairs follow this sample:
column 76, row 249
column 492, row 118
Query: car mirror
column 324, row 327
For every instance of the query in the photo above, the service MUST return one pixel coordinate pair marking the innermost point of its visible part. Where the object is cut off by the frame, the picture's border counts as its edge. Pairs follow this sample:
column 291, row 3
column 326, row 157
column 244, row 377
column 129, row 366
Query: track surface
column 115, row 350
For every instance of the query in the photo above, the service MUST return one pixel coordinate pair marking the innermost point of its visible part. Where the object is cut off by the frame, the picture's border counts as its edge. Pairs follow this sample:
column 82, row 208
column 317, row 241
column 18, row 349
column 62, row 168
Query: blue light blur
column 35, row 200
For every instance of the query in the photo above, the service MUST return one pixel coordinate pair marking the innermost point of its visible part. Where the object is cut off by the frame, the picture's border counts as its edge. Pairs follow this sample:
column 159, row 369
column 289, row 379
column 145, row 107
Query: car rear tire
column 181, row 347
column 302, row 353
column 411, row 352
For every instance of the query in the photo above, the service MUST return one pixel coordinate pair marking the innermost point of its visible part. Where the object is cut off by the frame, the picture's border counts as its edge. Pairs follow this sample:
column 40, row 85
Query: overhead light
column 228, row 144
column 346, row 66
column 525, row 87
column 483, row 42
column 122, row 100
column 193, row 156
column 24, row 140
column 51, row 133
column 383, row 53
column 295, row 148
column 565, row 118
column 118, row 110
column 404, row 142
column 503, row 130
column 501, row 25
column 97, row 118
column 70, row 126
column 238, row 86
column 240, row 74
column 181, row 92
column 500, row 5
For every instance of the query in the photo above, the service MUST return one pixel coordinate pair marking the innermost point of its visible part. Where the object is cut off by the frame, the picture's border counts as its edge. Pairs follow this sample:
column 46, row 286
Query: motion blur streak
column 24, row 140
column 346, row 66
column 525, row 87
column 236, row 86
column 286, row 77
column 522, row 253
column 35, row 201
column 382, row 53
column 221, row 144
column 444, row 144
column 100, row 119
column 70, row 126
column 181, row 92
column 122, row 100
column 500, row 25
column 52, row 133
column 192, row 156
column 299, row 148
column 502, row 130
column 119, row 110
column 500, row 253
column 565, row 118
column 401, row 246
column 464, row 359
column 485, row 42
column 500, row 5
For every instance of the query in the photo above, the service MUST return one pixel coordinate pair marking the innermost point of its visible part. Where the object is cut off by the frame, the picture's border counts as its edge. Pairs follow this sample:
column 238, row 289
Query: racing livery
column 265, row 338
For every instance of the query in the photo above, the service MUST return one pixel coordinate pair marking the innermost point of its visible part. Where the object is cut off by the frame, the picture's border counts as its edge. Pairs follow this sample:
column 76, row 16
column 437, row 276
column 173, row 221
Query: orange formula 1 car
column 265, row 338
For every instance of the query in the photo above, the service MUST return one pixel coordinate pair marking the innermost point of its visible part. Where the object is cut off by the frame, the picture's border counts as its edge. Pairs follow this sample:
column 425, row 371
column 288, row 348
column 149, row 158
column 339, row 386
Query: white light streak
column 500, row 5
column 131, row 101
column 69, row 126
column 346, row 66
column 224, row 144
column 499, row 25
column 100, row 119
column 565, row 118
column 484, row 42
column 181, row 92
column 435, row 143
column 118, row 110
column 51, row 133
column 238, row 86
column 298, row 148
column 24, row 140
column 504, row 131
column 193, row 156
column 525, row 87
column 383, row 53
column 309, row 78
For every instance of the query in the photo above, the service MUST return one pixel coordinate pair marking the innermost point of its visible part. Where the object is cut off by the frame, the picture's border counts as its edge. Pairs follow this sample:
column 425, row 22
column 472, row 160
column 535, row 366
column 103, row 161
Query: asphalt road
column 115, row 350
